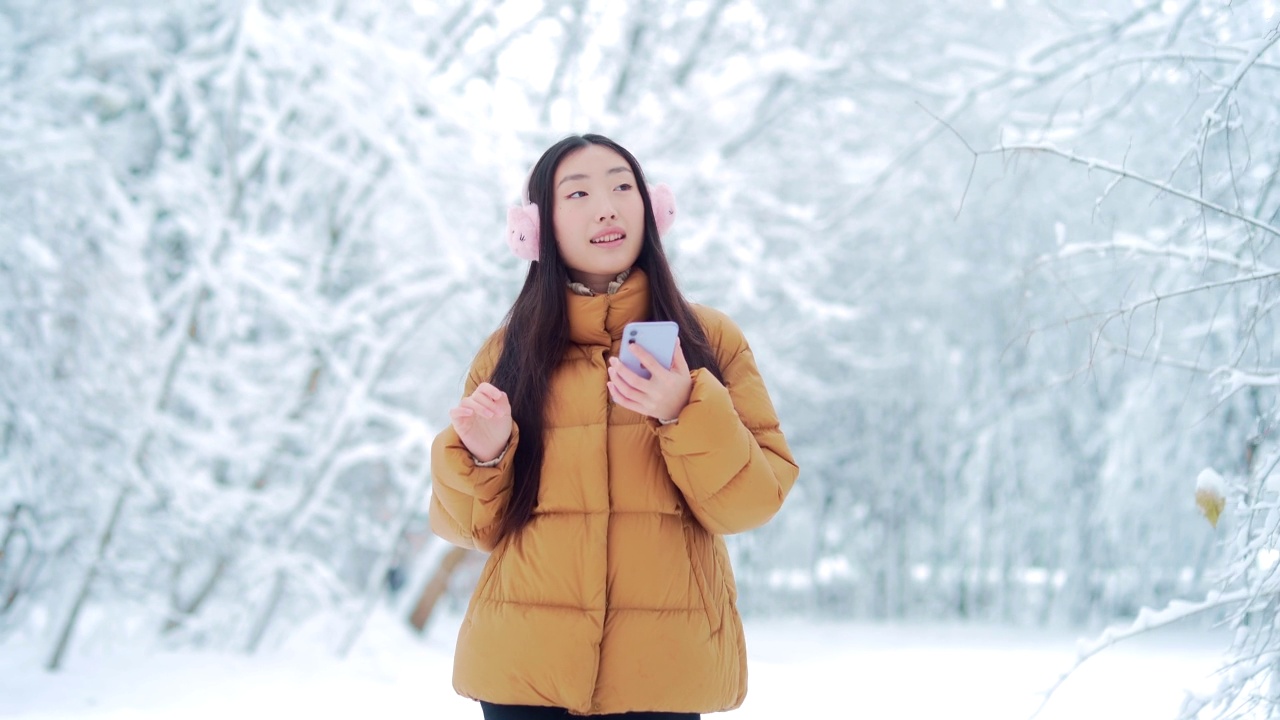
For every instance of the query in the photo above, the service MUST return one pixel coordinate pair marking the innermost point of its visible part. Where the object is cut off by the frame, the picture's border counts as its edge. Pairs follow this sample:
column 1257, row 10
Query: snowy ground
column 798, row 670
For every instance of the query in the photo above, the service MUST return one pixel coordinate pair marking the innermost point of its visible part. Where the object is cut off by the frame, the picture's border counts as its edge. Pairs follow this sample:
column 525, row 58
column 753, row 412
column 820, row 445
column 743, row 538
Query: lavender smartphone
column 659, row 338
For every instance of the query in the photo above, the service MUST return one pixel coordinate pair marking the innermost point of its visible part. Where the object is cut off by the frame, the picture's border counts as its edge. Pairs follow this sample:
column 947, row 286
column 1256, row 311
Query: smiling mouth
column 606, row 239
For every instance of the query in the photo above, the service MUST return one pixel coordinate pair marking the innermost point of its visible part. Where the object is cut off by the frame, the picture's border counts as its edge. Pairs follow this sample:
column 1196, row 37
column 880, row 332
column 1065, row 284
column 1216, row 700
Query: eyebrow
column 580, row 176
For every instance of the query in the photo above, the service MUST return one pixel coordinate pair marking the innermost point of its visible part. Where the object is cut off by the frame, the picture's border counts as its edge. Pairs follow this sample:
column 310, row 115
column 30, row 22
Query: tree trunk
column 264, row 619
column 68, row 627
column 377, row 579
column 13, row 580
column 435, row 587
column 182, row 611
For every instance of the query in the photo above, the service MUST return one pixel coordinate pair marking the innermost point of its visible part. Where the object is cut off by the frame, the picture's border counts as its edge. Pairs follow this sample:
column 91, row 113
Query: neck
column 599, row 284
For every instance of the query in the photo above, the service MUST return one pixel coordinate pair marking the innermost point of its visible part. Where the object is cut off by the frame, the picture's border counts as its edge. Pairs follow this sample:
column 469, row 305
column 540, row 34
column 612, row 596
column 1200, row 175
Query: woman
column 601, row 495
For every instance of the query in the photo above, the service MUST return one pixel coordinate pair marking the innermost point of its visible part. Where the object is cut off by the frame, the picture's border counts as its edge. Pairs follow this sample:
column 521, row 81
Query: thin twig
column 1094, row 163
column 1140, row 247
column 972, row 167
column 1109, row 315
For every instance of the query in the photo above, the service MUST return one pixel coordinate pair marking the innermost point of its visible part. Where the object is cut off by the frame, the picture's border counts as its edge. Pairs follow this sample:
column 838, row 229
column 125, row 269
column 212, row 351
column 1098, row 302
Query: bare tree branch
column 1093, row 163
column 1136, row 246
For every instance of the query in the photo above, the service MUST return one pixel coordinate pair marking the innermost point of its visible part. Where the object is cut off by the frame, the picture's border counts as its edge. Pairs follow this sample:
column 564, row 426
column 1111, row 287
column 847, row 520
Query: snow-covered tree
column 248, row 247
column 1166, row 112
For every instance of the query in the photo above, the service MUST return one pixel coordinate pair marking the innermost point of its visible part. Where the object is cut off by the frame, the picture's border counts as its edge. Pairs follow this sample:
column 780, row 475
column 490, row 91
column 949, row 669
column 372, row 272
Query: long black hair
column 537, row 326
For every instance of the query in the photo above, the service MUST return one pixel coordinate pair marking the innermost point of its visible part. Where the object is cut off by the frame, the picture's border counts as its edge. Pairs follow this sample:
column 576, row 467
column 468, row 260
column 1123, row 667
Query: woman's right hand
column 483, row 422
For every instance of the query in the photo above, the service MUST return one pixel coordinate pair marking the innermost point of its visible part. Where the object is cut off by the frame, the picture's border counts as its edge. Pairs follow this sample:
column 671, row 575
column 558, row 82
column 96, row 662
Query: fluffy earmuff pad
column 522, row 231
column 664, row 206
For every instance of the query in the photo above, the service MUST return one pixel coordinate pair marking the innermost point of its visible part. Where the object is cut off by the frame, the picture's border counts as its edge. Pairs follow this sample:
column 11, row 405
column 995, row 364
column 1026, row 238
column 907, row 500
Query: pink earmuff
column 522, row 231
column 522, row 221
column 664, row 206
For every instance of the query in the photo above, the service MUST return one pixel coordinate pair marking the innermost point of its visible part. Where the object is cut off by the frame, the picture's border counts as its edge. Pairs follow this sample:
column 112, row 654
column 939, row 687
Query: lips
column 608, row 236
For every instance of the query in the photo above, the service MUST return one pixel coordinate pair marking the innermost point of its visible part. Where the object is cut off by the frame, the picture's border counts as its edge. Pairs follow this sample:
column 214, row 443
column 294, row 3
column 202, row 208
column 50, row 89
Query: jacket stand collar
column 599, row 319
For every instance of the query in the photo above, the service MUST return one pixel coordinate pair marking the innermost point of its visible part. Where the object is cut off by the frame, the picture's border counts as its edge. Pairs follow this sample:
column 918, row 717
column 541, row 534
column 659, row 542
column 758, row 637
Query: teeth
column 607, row 238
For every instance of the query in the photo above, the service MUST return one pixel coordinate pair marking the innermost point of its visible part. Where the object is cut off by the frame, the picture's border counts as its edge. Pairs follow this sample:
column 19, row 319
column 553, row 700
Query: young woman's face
column 598, row 215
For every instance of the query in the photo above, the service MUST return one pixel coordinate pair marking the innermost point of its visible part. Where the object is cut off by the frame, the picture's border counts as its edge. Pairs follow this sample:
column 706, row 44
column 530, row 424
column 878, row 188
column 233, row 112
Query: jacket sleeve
column 468, row 501
column 727, row 453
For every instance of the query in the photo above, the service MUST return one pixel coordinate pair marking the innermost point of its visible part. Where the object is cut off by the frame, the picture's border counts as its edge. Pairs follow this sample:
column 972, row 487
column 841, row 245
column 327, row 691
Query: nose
column 606, row 211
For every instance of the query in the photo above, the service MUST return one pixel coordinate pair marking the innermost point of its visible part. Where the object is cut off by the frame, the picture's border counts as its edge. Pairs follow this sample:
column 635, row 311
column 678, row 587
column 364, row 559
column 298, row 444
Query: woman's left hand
column 662, row 396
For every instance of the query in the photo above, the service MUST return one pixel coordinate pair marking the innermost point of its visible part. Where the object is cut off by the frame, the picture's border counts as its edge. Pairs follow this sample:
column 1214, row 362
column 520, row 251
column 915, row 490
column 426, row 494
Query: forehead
column 593, row 161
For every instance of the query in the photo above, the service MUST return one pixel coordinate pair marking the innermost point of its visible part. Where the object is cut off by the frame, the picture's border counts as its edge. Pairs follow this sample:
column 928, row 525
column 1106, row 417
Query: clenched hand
column 483, row 421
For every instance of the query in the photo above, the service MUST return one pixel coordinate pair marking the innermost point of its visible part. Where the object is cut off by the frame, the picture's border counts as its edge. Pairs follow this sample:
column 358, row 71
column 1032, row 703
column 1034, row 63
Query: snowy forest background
column 1010, row 270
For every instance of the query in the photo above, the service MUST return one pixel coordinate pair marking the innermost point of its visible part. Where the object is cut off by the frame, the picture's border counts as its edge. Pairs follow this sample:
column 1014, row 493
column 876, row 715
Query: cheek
column 637, row 205
column 638, row 213
column 562, row 221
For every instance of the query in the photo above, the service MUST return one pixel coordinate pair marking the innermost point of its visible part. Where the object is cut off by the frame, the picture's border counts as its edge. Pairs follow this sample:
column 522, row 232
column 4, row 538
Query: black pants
column 534, row 712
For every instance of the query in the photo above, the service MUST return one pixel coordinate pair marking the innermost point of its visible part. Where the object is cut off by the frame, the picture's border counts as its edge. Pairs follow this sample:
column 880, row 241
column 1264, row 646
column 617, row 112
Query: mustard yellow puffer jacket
column 618, row 595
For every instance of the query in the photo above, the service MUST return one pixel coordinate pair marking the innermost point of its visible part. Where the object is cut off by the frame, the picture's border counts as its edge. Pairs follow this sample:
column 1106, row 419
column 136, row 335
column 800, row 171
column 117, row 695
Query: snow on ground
column 799, row 669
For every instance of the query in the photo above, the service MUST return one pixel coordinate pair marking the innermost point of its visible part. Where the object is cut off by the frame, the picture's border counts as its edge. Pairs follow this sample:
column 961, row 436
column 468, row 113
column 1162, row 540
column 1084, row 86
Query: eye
column 624, row 187
column 577, row 193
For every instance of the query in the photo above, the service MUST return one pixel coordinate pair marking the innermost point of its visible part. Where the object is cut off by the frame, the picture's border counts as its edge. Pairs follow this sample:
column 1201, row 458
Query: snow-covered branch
column 1129, row 246
column 1147, row 621
column 1120, row 171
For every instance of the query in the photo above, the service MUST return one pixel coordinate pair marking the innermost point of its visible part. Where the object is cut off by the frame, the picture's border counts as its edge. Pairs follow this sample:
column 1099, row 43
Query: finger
column 631, row 377
column 624, row 376
column 646, row 358
column 500, row 404
column 678, row 363
column 625, row 391
column 478, row 406
column 479, row 400
column 616, row 397
column 460, row 413
column 493, row 399
column 490, row 392
column 622, row 393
